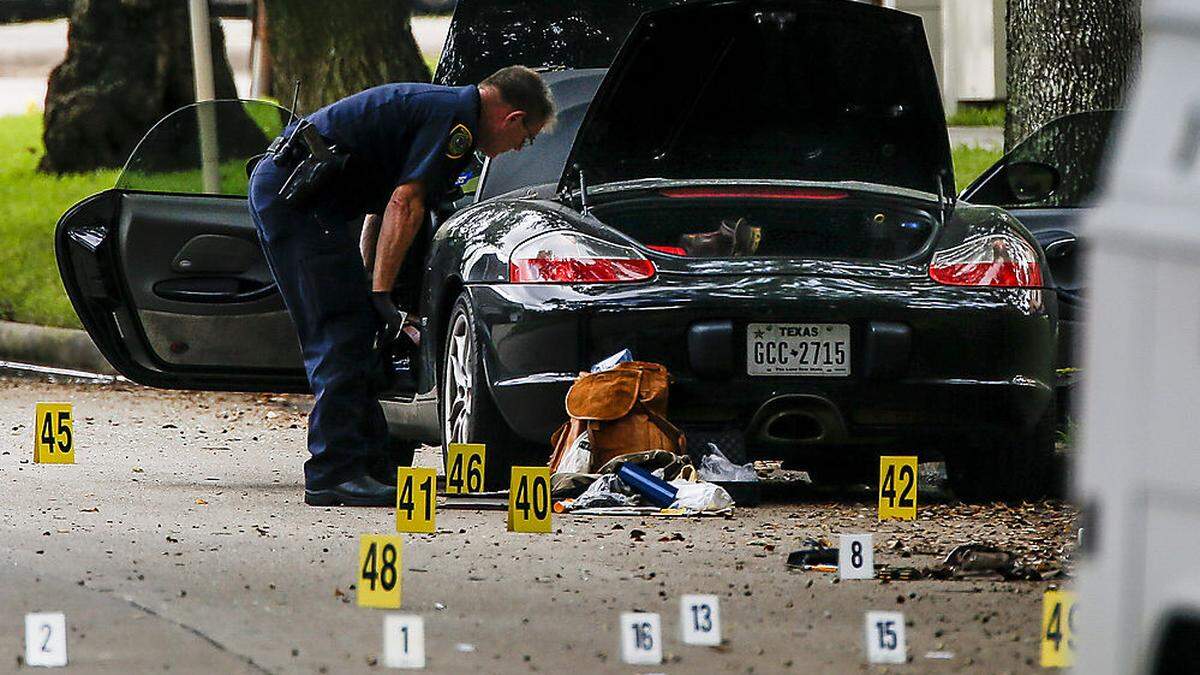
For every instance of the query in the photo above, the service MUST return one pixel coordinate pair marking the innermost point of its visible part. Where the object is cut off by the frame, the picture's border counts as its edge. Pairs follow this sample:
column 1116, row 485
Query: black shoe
column 361, row 491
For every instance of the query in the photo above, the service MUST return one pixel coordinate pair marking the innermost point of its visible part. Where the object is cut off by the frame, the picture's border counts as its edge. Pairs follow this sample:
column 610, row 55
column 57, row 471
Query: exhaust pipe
column 798, row 420
column 795, row 426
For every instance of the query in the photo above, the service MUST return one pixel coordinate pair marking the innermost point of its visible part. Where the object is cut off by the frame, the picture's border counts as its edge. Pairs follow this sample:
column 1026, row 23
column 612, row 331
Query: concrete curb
column 55, row 347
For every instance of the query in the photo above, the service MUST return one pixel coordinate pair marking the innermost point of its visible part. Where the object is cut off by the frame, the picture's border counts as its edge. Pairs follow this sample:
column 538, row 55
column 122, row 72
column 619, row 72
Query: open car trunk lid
column 814, row 90
column 487, row 35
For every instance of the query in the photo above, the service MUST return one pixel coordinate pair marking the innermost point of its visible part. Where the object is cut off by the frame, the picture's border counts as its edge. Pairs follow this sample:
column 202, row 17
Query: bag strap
column 669, row 430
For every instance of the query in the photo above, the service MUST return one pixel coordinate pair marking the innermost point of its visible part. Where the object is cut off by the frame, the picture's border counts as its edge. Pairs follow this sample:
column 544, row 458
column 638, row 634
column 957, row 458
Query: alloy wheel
column 458, row 392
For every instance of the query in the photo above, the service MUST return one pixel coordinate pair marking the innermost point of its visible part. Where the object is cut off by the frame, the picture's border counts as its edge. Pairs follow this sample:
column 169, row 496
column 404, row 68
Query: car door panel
column 212, row 311
column 212, row 324
column 165, row 270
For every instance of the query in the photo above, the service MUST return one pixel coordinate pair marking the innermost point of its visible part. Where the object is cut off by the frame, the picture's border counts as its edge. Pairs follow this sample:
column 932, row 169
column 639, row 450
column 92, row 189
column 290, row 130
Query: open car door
column 165, row 270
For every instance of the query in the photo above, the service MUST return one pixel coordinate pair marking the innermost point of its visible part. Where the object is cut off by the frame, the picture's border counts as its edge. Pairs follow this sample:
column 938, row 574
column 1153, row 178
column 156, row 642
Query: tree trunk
column 129, row 63
column 338, row 48
column 1068, row 56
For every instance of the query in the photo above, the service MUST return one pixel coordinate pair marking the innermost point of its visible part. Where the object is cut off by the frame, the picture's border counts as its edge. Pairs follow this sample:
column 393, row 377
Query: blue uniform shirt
column 399, row 133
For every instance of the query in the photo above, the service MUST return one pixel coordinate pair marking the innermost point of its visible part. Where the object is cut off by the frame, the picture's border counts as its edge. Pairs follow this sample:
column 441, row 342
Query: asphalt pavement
column 178, row 540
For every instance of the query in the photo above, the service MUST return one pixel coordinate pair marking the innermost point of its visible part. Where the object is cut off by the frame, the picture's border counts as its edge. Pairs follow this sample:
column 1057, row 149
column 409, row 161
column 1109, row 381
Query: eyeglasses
column 528, row 135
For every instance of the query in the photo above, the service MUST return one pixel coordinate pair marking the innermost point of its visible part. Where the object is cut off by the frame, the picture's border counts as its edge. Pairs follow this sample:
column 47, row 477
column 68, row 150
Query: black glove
column 392, row 317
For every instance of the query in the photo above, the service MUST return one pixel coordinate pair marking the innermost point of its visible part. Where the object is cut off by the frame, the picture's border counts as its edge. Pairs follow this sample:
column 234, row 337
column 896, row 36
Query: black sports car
column 757, row 194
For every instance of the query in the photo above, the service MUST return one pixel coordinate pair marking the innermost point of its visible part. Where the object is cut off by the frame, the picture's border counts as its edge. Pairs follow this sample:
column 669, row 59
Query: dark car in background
column 756, row 194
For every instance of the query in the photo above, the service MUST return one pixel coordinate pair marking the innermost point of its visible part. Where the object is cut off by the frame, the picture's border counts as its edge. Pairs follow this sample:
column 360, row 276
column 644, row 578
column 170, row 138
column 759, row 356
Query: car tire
column 466, row 411
column 1021, row 468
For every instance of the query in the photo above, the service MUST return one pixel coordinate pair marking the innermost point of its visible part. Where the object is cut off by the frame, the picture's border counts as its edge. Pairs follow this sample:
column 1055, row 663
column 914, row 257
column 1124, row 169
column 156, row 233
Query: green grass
column 970, row 161
column 978, row 116
column 30, row 205
column 233, row 180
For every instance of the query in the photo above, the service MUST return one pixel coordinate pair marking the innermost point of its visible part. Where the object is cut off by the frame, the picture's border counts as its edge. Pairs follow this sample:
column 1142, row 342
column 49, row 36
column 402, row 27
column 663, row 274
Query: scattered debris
column 700, row 497
column 652, row 488
column 607, row 490
column 809, row 558
column 714, row 466
column 648, row 511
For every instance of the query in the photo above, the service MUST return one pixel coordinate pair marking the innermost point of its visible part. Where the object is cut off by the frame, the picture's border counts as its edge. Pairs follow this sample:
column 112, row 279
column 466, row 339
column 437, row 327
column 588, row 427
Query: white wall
column 979, row 45
column 966, row 38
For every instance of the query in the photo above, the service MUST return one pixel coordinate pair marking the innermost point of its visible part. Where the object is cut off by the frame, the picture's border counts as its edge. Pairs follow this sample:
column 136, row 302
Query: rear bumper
column 929, row 363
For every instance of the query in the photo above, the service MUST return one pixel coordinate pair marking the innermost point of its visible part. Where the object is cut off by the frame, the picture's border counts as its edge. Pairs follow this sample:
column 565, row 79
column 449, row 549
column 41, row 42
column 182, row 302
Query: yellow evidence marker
column 416, row 499
column 53, row 440
column 1058, row 629
column 464, row 468
column 897, row 488
column 529, row 499
column 379, row 571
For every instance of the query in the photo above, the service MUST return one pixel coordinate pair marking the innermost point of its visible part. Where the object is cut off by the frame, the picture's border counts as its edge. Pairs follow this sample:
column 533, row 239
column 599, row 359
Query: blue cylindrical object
column 658, row 491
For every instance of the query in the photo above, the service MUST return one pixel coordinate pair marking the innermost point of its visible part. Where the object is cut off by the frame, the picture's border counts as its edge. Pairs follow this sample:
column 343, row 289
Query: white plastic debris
column 607, row 491
column 623, row 356
column 578, row 457
column 700, row 496
column 715, row 466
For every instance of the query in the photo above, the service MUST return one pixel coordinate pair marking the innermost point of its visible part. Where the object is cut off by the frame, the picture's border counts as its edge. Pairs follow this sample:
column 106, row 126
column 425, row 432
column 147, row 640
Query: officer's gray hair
column 524, row 89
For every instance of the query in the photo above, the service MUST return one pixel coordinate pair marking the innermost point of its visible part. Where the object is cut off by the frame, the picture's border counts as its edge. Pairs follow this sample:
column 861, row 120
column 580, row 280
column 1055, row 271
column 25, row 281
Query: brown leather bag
column 623, row 410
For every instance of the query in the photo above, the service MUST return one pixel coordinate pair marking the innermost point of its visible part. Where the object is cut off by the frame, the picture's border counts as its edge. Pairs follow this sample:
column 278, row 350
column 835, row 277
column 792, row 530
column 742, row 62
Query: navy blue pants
column 319, row 271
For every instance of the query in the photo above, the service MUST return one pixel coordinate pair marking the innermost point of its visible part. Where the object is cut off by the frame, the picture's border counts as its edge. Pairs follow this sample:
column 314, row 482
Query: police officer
column 386, row 154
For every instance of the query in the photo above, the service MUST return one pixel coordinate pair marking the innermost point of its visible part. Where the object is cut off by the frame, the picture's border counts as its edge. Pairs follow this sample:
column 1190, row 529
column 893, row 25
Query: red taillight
column 572, row 258
column 673, row 250
column 1004, row 260
column 578, row 270
column 753, row 192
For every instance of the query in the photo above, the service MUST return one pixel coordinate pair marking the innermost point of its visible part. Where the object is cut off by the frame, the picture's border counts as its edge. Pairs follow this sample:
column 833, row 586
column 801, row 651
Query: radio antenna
column 295, row 100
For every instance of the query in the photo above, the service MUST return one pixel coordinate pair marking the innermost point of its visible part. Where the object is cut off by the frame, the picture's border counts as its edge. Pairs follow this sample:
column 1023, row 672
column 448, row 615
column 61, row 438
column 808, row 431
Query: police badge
column 460, row 141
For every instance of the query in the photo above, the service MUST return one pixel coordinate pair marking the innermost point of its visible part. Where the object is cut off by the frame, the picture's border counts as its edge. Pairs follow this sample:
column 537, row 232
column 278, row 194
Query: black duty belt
column 313, row 163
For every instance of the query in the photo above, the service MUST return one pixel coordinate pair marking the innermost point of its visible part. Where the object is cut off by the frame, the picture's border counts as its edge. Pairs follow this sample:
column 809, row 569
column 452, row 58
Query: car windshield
column 1073, row 145
column 203, row 148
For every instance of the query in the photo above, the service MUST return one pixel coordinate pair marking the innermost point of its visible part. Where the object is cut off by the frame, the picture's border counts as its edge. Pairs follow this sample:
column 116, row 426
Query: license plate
column 798, row 349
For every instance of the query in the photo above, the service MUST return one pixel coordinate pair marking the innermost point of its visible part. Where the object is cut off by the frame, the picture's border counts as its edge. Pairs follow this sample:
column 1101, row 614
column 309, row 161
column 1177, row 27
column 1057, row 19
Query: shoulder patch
column 460, row 141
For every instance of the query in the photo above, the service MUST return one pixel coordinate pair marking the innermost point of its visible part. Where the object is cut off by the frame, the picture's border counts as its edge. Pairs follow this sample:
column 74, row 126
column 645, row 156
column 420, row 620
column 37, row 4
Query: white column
column 205, row 91
column 949, row 55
